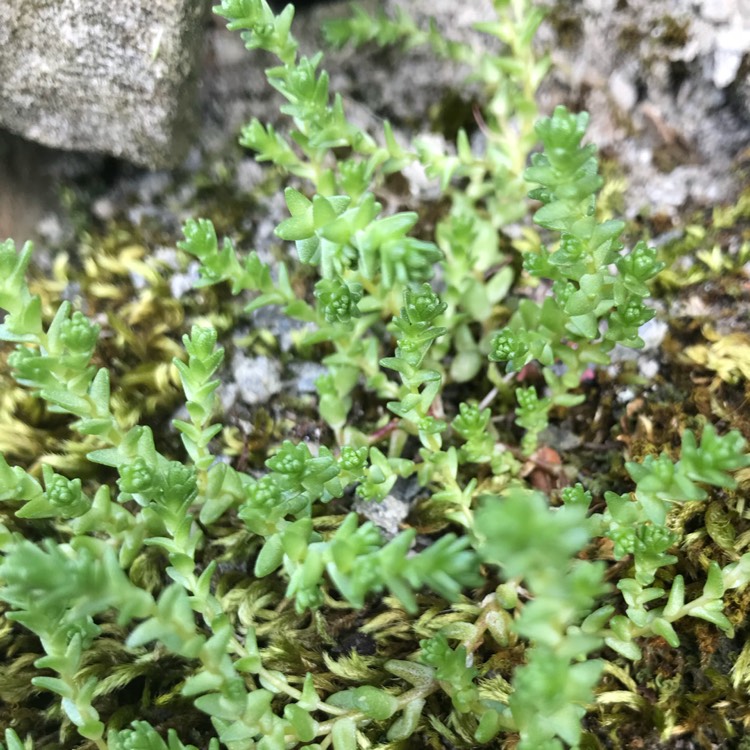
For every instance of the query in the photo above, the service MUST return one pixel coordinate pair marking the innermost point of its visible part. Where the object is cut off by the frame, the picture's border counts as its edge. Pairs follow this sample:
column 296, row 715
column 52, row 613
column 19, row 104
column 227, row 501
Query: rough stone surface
column 645, row 69
column 668, row 90
column 389, row 513
column 258, row 378
column 117, row 78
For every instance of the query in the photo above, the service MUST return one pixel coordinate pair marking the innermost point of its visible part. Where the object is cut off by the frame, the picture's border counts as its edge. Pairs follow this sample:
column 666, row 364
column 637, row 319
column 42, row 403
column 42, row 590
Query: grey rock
column 53, row 229
column 257, row 378
column 625, row 396
column 387, row 515
column 305, row 374
column 402, row 86
column 182, row 283
column 26, row 195
column 666, row 190
column 647, row 358
column 104, row 208
column 562, row 438
column 250, row 174
column 647, row 78
column 392, row 510
column 228, row 395
column 284, row 328
column 653, row 333
column 676, row 71
column 116, row 78
column 648, row 368
column 623, row 90
column 732, row 44
column 719, row 10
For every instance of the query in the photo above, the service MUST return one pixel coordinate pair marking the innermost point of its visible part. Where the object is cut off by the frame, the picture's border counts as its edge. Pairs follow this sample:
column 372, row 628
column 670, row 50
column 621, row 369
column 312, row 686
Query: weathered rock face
column 117, row 78
column 667, row 86
column 667, row 83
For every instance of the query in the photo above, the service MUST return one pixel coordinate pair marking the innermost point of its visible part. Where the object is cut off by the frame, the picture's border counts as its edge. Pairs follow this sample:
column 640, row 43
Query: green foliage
column 13, row 742
column 56, row 365
column 638, row 527
column 452, row 671
column 143, row 736
column 486, row 564
column 533, row 543
column 592, row 306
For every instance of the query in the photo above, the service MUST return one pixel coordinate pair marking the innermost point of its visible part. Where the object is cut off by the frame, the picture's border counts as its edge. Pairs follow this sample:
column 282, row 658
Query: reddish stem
column 384, row 431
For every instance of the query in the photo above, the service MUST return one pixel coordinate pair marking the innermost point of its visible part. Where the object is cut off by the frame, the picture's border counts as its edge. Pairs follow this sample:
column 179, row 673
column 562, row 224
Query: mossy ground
column 676, row 699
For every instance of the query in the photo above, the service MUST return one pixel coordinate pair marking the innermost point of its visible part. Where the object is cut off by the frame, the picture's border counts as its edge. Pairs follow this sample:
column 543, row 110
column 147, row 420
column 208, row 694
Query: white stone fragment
column 258, row 378
column 731, row 46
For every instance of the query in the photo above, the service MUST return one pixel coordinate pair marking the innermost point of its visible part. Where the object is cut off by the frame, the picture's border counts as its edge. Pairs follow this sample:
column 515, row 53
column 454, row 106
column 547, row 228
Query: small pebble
column 258, row 378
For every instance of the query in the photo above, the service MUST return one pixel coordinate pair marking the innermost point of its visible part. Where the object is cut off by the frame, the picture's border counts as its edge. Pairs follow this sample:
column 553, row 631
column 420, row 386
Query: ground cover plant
column 180, row 598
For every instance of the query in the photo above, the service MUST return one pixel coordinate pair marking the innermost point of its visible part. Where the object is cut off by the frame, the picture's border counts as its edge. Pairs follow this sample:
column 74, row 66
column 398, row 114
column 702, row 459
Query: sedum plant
column 489, row 170
column 511, row 570
column 597, row 290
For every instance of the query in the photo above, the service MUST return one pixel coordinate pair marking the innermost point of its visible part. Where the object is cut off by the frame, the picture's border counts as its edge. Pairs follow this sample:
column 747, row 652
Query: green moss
column 673, row 31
